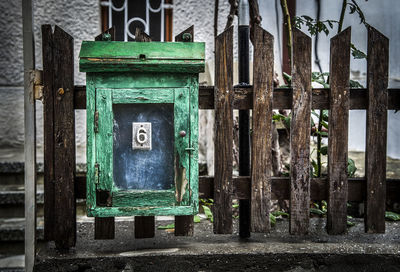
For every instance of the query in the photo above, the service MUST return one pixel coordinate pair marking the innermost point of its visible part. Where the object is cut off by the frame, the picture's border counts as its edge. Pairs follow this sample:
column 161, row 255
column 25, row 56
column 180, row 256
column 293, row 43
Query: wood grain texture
column 48, row 131
column 338, row 132
column 300, row 131
column 261, row 159
column 184, row 225
column 280, row 188
column 282, row 98
column 375, row 157
column 64, row 140
column 144, row 227
column 222, row 208
column 104, row 228
column 141, row 36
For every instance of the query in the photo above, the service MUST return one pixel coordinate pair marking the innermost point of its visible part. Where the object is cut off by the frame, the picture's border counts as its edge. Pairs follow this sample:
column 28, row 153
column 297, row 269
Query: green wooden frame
column 104, row 89
column 133, row 72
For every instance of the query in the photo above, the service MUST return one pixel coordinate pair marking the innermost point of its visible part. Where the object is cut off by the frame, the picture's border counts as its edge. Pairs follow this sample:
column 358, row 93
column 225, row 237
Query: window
column 152, row 16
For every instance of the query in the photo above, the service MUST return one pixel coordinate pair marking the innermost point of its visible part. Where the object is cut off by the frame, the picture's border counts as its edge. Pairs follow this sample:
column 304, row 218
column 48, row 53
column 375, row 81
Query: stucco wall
column 80, row 18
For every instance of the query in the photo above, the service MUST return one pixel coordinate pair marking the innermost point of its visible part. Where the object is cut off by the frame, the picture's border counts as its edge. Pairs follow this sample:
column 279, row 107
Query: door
column 142, row 146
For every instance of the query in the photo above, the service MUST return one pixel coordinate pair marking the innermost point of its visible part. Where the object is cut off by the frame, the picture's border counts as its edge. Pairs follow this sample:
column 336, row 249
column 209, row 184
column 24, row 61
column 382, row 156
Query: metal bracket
column 38, row 84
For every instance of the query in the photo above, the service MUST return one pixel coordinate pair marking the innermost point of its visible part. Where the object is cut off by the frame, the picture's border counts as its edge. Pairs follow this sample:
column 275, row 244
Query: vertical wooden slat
column 48, row 131
column 261, row 159
column 64, row 140
column 300, row 130
column 184, row 224
column 375, row 157
column 339, row 101
column 104, row 228
column 223, row 132
column 30, row 136
column 144, row 227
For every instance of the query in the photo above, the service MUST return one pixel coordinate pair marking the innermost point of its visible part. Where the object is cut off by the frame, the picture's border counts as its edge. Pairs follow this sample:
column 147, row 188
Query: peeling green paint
column 126, row 79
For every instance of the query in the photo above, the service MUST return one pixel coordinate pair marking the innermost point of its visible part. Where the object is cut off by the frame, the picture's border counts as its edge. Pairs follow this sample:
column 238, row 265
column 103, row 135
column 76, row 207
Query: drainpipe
column 244, row 128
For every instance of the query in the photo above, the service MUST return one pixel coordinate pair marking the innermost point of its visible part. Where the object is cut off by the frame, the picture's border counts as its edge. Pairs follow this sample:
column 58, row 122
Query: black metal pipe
column 244, row 116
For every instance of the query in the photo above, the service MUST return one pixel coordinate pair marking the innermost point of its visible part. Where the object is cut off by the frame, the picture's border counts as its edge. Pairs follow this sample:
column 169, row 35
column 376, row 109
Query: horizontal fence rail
column 282, row 98
column 279, row 188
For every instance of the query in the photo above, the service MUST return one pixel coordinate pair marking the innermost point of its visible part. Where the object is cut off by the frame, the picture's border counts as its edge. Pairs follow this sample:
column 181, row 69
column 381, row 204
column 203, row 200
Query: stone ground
column 276, row 251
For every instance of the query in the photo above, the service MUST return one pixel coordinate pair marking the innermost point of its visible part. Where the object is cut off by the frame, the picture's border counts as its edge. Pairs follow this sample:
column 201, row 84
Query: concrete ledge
column 276, row 251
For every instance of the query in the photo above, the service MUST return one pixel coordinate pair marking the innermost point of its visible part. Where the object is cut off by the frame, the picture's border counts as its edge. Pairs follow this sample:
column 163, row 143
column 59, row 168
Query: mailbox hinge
column 96, row 173
column 96, row 121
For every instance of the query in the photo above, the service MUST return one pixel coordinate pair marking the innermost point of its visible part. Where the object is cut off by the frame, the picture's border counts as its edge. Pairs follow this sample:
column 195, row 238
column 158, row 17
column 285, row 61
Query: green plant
column 392, row 216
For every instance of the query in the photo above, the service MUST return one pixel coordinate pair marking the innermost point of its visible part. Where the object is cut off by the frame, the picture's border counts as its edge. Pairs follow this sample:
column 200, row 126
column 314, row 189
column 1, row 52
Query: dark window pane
column 144, row 169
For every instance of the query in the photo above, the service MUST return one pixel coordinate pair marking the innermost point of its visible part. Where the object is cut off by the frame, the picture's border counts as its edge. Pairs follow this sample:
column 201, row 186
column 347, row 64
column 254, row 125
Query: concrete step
column 205, row 251
column 13, row 229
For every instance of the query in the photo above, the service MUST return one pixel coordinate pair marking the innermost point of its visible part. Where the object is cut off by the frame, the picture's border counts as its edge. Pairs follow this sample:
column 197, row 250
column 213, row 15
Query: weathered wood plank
column 375, row 157
column 144, row 227
column 184, row 225
column 338, row 132
column 141, row 36
column 48, row 131
column 64, row 140
column 261, row 158
column 282, row 98
column 223, row 132
column 280, row 188
column 300, row 131
column 104, row 228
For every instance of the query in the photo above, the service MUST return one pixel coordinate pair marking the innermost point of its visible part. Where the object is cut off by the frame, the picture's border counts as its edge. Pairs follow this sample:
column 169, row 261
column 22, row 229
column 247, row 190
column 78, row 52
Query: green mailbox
column 142, row 127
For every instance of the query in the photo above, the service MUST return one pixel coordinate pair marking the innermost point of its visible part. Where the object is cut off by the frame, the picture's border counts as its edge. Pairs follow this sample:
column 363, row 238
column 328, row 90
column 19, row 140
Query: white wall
column 384, row 16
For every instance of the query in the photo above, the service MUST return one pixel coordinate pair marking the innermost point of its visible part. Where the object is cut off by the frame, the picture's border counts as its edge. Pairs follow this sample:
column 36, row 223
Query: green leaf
column 350, row 224
column 356, row 53
column 355, row 84
column 351, row 168
column 196, row 219
column 324, row 150
column 272, row 219
column 317, row 211
column 208, row 213
column 280, row 213
column 392, row 216
column 235, row 206
column 170, row 226
column 287, row 78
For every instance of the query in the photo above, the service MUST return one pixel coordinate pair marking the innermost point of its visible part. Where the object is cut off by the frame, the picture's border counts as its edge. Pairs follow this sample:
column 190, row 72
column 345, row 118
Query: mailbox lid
column 115, row 56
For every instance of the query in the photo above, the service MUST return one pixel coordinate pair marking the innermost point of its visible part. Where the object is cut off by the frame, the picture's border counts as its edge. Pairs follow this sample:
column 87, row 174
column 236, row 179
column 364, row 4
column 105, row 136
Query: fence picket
column 300, row 131
column 339, row 101
column 223, row 132
column 48, row 132
column 375, row 157
column 64, row 140
column 261, row 158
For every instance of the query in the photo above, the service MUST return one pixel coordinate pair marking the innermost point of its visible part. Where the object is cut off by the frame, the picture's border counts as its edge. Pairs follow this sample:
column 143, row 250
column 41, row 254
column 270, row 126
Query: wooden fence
column 61, row 98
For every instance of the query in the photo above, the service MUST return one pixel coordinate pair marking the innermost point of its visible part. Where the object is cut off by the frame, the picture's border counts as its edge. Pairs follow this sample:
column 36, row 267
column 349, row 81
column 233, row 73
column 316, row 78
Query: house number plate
column 141, row 135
